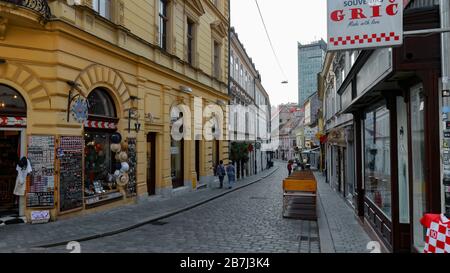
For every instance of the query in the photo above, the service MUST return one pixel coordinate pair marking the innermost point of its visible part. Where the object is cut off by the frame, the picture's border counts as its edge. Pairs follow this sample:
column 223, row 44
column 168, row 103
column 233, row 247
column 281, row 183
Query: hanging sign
column 357, row 24
column 80, row 109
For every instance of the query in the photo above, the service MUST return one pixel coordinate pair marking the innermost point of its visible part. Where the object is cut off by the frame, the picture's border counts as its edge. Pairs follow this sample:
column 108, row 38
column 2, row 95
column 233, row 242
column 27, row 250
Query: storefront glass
column 377, row 154
column 418, row 161
column 177, row 163
column 100, row 164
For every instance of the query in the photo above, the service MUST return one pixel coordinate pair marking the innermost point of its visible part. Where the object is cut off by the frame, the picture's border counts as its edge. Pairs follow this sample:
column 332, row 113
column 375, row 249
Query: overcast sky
column 288, row 22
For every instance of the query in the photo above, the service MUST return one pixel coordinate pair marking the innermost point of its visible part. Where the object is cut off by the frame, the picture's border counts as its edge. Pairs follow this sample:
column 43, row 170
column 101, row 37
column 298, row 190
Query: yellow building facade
column 132, row 62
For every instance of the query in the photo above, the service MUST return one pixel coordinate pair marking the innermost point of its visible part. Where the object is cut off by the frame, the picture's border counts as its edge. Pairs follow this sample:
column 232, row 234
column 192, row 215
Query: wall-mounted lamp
column 137, row 127
column 186, row 89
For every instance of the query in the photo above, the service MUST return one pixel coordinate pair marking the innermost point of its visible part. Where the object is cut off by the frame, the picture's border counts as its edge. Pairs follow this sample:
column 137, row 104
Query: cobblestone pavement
column 22, row 237
column 246, row 221
column 347, row 234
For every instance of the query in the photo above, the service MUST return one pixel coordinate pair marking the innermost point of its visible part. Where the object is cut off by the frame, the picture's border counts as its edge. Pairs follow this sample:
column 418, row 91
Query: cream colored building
column 134, row 58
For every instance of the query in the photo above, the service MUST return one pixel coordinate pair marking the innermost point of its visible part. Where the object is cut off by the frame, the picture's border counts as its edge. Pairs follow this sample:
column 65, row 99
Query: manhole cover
column 159, row 223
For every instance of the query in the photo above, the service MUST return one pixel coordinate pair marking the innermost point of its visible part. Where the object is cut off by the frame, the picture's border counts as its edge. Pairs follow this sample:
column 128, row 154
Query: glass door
column 419, row 182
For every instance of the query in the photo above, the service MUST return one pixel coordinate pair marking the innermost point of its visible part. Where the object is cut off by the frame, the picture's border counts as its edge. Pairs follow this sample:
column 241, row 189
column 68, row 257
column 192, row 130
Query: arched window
column 11, row 102
column 101, row 105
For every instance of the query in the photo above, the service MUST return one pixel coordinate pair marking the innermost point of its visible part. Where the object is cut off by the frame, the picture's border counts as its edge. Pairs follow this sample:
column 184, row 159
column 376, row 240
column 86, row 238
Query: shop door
column 177, row 151
column 151, row 163
column 343, row 172
column 402, row 226
column 338, row 168
column 9, row 155
column 197, row 159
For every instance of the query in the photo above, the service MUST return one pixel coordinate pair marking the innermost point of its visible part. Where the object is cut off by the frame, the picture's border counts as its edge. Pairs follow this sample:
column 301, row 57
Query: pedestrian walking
column 289, row 167
column 231, row 173
column 221, row 173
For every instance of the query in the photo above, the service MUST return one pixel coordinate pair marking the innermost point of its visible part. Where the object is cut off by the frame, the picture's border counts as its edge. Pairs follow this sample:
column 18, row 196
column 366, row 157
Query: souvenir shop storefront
column 82, row 172
column 46, row 176
column 393, row 95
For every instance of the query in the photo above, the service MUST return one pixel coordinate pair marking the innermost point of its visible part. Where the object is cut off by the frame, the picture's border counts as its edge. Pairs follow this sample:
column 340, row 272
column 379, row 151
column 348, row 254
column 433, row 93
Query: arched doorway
column 13, row 112
column 100, row 161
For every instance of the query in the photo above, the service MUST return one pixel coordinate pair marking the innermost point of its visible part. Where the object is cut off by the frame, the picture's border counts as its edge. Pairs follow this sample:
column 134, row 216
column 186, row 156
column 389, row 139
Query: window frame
column 97, row 6
column 163, row 24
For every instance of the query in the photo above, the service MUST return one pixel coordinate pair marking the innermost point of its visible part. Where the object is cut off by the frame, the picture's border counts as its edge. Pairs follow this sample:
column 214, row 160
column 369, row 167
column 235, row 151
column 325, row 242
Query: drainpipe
column 445, row 98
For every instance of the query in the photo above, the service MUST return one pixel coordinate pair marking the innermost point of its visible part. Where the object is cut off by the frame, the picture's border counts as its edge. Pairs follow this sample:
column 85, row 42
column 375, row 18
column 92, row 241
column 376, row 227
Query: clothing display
column 22, row 173
column 438, row 233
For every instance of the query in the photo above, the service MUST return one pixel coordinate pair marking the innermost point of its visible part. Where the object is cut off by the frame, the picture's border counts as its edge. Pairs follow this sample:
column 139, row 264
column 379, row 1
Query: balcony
column 39, row 6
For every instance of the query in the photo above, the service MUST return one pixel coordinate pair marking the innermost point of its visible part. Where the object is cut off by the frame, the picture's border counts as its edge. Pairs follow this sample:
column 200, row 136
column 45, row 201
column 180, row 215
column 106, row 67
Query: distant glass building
column 310, row 61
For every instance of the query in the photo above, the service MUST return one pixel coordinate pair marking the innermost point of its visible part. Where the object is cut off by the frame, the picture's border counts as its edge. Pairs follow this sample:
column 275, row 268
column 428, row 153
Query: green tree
column 239, row 155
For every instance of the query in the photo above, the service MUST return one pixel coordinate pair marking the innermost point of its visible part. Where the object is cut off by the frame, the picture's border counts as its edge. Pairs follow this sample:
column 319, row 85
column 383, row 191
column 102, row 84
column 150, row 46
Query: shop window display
column 377, row 170
column 100, row 164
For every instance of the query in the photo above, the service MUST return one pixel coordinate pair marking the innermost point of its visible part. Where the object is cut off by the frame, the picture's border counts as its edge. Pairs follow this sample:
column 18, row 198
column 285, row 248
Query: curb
column 151, row 219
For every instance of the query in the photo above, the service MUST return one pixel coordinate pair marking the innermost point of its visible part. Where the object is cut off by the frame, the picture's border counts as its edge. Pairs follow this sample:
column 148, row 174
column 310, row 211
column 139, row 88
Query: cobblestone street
column 246, row 221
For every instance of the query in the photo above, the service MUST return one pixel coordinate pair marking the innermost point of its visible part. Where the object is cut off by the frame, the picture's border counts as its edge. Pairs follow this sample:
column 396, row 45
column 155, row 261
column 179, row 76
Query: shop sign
column 447, row 125
column 40, row 217
column 357, row 24
column 174, row 150
column 447, row 134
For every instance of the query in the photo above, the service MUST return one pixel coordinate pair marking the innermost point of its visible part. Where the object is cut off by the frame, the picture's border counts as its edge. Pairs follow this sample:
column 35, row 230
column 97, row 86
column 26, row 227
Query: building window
column 103, row 7
column 377, row 166
column 190, row 41
column 11, row 102
column 216, row 60
column 101, row 104
column 163, row 19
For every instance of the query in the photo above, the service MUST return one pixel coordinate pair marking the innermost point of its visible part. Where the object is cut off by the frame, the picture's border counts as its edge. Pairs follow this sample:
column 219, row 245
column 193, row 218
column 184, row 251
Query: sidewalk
column 16, row 238
column 339, row 229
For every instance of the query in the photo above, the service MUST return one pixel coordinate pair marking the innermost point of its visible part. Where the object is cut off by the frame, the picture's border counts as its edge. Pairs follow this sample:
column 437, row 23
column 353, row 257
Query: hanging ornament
column 124, row 146
column 124, row 167
column 123, row 157
column 123, row 180
column 116, row 138
column 115, row 148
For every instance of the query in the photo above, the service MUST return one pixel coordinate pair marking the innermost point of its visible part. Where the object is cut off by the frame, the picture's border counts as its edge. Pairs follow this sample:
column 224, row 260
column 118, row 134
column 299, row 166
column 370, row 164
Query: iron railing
column 40, row 6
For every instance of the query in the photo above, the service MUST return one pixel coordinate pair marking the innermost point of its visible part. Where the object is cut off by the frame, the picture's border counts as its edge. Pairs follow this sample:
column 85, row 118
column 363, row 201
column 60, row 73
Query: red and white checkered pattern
column 100, row 125
column 365, row 39
column 438, row 233
column 13, row 121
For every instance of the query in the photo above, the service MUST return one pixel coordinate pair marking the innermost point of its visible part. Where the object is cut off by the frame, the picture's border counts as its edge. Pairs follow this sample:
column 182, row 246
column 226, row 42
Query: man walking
column 231, row 172
column 220, row 171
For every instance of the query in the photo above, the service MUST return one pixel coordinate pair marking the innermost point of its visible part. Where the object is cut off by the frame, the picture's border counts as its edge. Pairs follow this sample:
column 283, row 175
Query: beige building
column 134, row 62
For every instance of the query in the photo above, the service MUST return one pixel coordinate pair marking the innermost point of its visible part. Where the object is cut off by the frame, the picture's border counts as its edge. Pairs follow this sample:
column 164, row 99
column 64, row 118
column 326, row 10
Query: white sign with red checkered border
column 363, row 24
column 100, row 125
column 13, row 121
